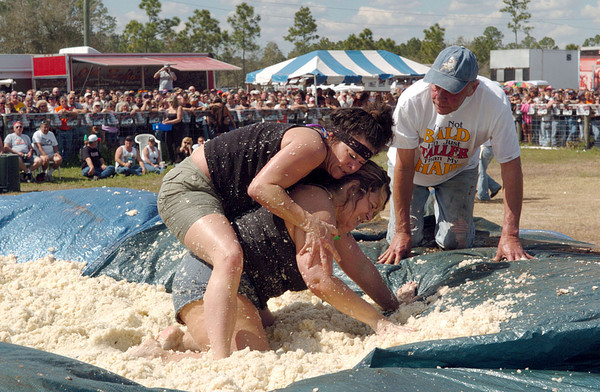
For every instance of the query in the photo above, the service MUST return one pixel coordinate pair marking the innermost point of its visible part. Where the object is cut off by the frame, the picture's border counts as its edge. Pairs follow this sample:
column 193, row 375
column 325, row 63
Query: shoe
column 29, row 177
column 49, row 177
column 495, row 193
column 40, row 177
column 96, row 178
column 23, row 177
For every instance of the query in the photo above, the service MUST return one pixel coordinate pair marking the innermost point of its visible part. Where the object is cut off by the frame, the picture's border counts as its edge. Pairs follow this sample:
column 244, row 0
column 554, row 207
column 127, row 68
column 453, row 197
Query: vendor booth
column 77, row 71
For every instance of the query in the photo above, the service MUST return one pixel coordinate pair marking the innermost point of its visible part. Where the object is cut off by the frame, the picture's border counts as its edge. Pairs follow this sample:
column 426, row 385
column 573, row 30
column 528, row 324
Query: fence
column 194, row 125
column 558, row 125
column 552, row 127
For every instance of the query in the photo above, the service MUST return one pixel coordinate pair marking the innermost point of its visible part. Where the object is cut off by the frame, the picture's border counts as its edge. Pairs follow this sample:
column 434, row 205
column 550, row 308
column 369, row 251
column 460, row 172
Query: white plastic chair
column 142, row 141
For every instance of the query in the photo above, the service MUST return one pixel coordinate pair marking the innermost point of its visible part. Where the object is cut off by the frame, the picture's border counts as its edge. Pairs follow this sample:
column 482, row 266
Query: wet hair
column 370, row 177
column 373, row 121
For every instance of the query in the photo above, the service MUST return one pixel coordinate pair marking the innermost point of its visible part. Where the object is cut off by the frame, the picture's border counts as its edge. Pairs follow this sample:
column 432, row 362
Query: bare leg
column 213, row 239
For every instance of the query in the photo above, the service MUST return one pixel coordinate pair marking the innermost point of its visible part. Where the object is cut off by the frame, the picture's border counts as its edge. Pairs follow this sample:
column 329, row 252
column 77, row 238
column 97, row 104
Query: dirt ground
column 558, row 196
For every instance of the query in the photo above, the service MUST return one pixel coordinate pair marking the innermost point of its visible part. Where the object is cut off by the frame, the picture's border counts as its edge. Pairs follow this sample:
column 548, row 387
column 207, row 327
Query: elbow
column 256, row 190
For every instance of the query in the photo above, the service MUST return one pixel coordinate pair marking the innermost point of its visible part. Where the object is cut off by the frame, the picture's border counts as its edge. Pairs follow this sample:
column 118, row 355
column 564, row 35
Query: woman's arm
column 302, row 151
column 363, row 272
column 319, row 278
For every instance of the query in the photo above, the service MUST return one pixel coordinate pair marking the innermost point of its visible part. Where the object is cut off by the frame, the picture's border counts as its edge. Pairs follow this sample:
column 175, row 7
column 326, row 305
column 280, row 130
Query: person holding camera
column 166, row 78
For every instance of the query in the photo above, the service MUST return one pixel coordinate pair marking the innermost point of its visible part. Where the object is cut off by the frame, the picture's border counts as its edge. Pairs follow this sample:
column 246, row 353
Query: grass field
column 561, row 190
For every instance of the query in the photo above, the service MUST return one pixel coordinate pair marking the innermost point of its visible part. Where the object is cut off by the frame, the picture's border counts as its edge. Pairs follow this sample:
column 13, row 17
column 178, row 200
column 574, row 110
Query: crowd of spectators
column 555, row 117
column 184, row 115
column 545, row 116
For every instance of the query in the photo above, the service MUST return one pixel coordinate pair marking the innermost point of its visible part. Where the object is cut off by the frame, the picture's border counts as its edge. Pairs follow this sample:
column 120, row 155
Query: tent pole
column 143, row 79
column 315, row 84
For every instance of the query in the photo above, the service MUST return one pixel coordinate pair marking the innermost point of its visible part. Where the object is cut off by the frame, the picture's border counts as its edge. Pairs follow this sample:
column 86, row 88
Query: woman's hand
column 319, row 238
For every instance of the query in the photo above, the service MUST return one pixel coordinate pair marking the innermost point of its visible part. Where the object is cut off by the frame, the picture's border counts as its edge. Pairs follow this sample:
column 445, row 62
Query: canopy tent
column 339, row 66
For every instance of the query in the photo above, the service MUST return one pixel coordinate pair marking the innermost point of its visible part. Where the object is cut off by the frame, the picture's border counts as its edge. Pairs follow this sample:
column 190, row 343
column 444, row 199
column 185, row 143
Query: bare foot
column 148, row 349
column 171, row 338
column 407, row 293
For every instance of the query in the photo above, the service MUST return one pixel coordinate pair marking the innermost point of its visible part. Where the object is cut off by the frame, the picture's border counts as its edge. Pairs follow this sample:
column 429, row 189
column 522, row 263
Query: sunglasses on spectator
column 18, row 126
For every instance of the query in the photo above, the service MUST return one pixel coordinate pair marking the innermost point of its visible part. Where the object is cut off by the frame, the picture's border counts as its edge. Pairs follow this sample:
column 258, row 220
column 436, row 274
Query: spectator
column 17, row 143
column 92, row 163
column 128, row 160
column 183, row 151
column 166, row 78
column 174, row 117
column 199, row 142
column 109, row 127
column 152, row 157
column 46, row 147
column 16, row 102
column 487, row 187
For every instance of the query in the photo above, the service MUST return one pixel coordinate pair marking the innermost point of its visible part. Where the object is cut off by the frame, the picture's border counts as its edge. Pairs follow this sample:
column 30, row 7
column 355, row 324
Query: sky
column 398, row 20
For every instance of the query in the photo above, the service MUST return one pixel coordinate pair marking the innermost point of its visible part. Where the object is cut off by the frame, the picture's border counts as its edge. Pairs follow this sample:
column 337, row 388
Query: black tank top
column 269, row 254
column 236, row 157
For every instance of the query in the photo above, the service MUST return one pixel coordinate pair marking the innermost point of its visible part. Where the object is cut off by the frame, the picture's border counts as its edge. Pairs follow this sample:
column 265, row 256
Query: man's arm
column 509, row 246
column 404, row 172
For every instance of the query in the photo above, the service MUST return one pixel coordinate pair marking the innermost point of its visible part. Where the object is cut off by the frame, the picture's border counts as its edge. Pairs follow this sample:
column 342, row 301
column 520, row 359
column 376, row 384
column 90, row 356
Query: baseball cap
column 92, row 138
column 453, row 68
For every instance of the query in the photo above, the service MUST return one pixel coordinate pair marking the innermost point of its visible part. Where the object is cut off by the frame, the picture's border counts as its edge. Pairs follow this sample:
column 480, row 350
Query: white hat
column 92, row 138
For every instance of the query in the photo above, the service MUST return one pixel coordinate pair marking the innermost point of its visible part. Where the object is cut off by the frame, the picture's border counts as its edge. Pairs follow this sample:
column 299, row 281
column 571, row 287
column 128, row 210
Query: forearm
column 276, row 199
column 363, row 272
column 333, row 291
column 512, row 178
column 402, row 194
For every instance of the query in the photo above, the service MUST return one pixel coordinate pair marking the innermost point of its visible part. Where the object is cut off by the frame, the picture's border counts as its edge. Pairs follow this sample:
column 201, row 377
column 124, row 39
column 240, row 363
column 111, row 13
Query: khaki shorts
column 186, row 195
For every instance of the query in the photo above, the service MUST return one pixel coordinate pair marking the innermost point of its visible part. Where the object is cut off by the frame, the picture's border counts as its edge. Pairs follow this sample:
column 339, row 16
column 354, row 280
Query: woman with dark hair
column 274, row 263
column 253, row 166
column 174, row 116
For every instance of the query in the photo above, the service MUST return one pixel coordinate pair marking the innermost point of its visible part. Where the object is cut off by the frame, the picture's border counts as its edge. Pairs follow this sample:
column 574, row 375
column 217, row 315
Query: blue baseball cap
column 453, row 68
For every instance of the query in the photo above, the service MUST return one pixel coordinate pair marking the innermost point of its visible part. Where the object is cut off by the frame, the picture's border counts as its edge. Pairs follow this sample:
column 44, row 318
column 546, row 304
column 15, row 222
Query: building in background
column 559, row 67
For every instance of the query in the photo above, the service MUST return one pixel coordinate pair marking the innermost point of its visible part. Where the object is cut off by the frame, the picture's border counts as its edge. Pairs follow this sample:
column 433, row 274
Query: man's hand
column 510, row 248
column 398, row 249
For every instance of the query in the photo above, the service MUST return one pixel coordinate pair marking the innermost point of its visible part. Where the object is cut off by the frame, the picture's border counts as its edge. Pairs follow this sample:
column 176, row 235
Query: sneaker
column 49, row 177
column 40, row 177
column 29, row 177
column 23, row 177
column 96, row 178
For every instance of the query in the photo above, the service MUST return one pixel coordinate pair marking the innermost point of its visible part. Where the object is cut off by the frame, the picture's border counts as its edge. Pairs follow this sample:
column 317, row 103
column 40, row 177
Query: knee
column 230, row 262
column 455, row 235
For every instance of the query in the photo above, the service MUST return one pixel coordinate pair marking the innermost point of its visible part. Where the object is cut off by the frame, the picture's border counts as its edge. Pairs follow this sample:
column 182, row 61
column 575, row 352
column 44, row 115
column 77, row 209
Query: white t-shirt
column 448, row 144
column 48, row 141
column 18, row 143
column 128, row 156
column 152, row 156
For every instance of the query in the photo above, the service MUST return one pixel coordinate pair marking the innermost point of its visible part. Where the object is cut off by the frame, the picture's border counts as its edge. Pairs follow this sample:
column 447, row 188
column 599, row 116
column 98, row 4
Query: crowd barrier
column 550, row 127
column 559, row 125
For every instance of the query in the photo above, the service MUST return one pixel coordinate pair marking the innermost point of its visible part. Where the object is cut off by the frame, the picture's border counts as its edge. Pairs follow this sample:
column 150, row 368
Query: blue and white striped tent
column 339, row 66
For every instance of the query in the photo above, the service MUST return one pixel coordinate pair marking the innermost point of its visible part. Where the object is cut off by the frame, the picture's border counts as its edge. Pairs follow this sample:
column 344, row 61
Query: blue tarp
column 552, row 344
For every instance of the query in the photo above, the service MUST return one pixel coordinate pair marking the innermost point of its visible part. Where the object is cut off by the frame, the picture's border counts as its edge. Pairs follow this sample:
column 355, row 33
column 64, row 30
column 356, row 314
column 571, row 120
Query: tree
column 592, row 41
column 245, row 27
column 484, row 44
column 517, row 9
column 45, row 27
column 302, row 33
column 364, row 41
column 152, row 36
column 411, row 49
column 432, row 44
column 547, row 43
column 271, row 55
column 529, row 42
column 572, row 47
column 202, row 33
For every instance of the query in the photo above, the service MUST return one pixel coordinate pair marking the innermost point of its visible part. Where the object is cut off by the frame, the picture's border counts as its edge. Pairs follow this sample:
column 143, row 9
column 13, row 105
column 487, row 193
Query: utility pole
column 86, row 22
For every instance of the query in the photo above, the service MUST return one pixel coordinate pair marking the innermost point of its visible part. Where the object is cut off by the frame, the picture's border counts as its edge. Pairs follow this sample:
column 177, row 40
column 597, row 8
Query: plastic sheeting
column 23, row 369
column 76, row 224
column 554, row 339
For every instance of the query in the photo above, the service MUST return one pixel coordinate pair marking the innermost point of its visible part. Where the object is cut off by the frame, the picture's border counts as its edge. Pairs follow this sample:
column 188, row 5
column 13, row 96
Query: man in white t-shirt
column 46, row 148
column 440, row 123
column 17, row 143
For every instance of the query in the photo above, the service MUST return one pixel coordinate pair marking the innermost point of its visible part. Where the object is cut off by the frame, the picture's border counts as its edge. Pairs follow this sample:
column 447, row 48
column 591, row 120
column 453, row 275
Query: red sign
column 49, row 66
